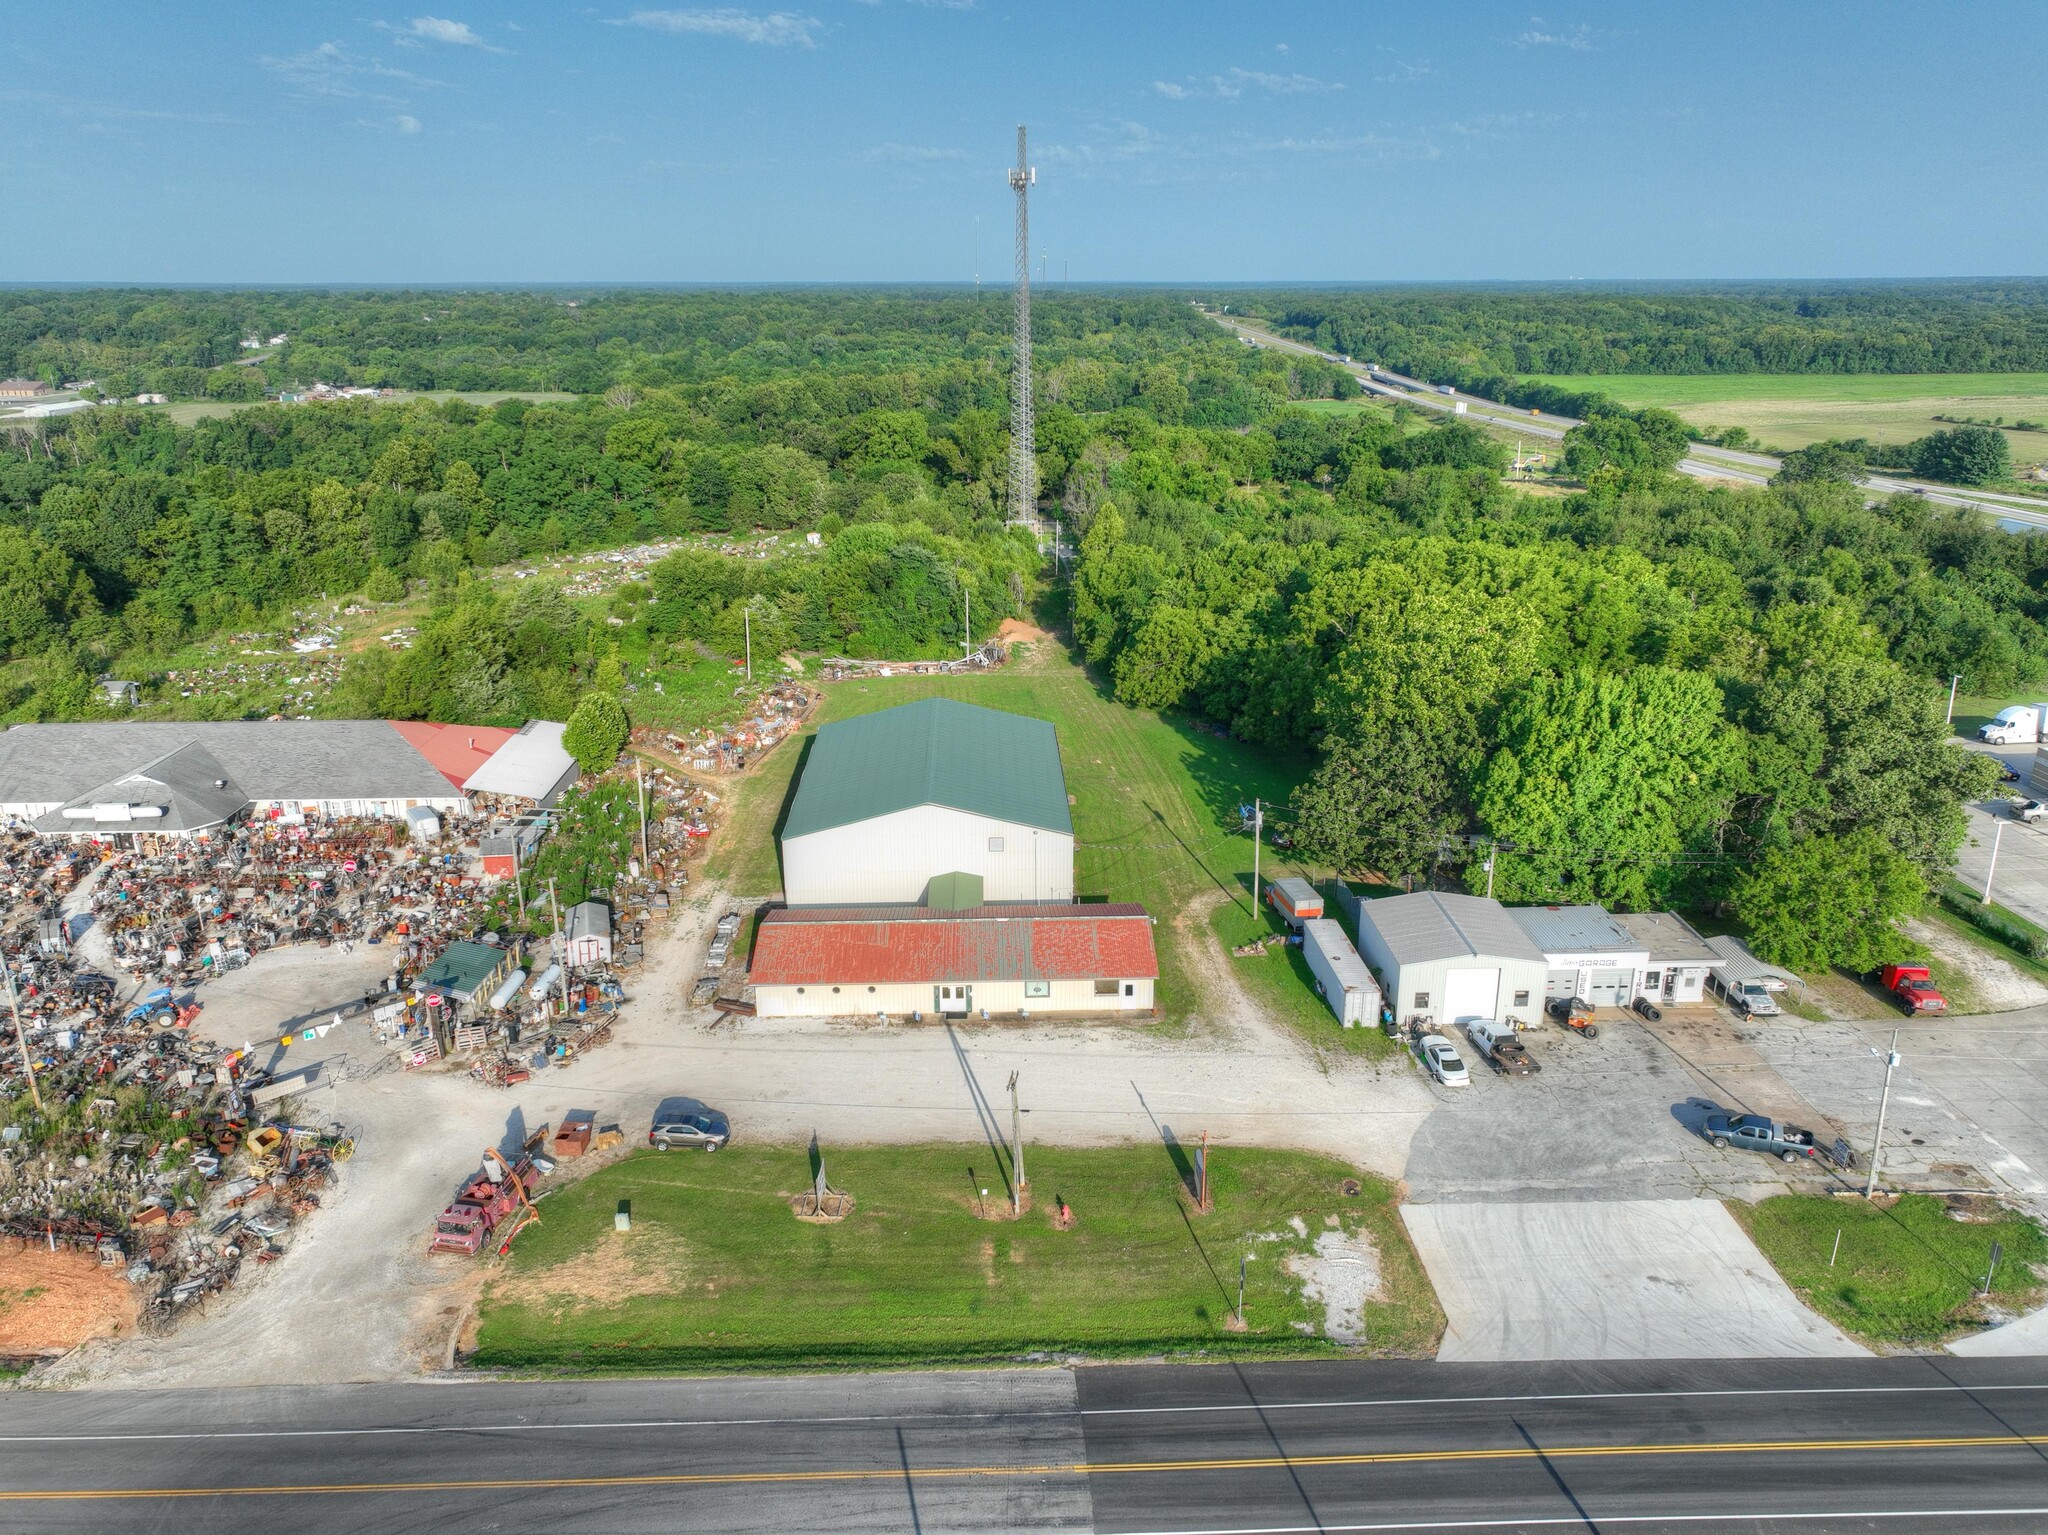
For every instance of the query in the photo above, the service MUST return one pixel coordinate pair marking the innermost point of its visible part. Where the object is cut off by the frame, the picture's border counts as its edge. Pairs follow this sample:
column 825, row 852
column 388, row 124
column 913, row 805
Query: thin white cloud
column 76, row 107
column 775, row 29
column 1405, row 71
column 1283, row 85
column 405, row 122
column 1234, row 83
column 329, row 69
column 437, row 29
column 911, row 154
column 1578, row 39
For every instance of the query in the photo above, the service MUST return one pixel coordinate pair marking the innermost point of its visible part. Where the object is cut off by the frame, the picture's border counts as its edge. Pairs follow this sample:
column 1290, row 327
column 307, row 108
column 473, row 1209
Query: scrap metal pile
column 772, row 718
column 988, row 656
column 186, row 909
column 145, row 1150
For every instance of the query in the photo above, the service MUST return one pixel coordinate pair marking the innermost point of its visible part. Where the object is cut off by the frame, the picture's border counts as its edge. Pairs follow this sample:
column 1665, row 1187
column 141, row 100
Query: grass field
column 1155, row 798
column 1284, row 987
column 717, row 1273
column 1790, row 410
column 1908, row 1273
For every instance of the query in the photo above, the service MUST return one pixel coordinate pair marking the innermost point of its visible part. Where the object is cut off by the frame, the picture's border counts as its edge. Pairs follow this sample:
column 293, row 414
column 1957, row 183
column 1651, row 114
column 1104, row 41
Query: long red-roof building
column 1007, row 959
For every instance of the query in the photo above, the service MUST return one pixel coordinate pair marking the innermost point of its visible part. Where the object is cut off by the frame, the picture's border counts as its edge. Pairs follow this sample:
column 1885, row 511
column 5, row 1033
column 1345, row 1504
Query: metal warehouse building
column 1445, row 958
column 812, row 961
column 893, row 800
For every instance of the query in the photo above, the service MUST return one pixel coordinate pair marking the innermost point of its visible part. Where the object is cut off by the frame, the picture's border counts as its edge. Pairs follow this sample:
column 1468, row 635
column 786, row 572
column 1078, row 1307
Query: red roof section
column 801, row 946
column 456, row 751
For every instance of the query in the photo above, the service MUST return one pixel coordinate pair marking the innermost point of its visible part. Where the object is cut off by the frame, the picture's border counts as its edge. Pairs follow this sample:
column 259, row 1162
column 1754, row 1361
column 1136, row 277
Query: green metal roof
column 462, row 967
column 933, row 752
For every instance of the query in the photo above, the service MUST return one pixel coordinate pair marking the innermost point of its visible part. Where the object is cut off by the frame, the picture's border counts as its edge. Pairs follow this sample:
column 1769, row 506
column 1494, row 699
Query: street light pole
column 1016, row 1151
column 1952, row 683
column 1997, row 836
column 1891, row 1061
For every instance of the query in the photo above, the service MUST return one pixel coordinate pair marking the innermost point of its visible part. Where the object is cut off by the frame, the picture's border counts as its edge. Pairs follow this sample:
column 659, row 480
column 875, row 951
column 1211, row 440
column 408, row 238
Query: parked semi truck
column 2019, row 725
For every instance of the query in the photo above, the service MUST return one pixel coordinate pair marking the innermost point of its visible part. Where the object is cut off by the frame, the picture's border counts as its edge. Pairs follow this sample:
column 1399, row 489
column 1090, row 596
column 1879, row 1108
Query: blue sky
column 1191, row 142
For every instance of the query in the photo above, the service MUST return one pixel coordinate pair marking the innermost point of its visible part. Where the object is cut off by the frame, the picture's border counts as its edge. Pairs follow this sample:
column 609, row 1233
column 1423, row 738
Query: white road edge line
column 997, row 1413
column 1602, row 1521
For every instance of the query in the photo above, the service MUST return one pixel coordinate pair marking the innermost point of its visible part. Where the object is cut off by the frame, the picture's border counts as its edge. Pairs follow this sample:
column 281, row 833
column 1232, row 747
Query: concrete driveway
column 2020, row 881
column 1621, row 1279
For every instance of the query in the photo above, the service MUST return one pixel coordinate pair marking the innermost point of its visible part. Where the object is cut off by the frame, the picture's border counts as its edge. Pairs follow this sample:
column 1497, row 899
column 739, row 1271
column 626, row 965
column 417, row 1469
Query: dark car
column 684, row 1122
column 1753, row 1132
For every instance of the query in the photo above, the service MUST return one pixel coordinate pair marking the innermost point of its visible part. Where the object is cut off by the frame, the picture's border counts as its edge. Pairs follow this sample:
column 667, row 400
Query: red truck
column 485, row 1200
column 1913, row 987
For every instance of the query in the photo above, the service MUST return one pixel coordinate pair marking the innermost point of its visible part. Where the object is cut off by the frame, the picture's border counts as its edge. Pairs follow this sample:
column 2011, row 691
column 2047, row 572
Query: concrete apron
column 1621, row 1279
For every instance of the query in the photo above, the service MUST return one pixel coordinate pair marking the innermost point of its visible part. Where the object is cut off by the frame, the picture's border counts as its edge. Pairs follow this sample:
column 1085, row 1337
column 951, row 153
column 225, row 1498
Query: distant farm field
column 1790, row 410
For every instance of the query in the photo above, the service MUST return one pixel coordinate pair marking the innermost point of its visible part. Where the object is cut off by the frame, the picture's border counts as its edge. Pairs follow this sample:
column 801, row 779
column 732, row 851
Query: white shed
column 1341, row 976
column 589, row 938
column 891, row 801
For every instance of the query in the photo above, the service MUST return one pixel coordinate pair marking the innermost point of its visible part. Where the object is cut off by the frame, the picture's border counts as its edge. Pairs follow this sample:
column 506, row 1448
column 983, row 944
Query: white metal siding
column 998, row 997
column 1351, row 992
column 889, row 860
column 1471, row 993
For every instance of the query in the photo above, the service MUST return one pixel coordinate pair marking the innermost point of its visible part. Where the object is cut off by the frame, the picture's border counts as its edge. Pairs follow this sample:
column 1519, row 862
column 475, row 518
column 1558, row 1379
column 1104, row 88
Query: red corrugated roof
column 456, row 751
column 803, row 946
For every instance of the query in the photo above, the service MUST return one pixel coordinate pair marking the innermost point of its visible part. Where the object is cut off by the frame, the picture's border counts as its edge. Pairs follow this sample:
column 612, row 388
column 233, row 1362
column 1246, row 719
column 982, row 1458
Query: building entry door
column 956, row 1000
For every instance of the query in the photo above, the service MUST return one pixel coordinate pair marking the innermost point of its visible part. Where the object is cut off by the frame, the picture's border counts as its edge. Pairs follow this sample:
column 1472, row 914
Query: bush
column 1993, row 920
column 597, row 732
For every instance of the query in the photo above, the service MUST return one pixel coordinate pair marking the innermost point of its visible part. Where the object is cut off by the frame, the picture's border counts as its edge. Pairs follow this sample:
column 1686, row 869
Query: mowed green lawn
column 1155, row 798
column 1907, row 1274
column 1790, row 410
column 718, row 1273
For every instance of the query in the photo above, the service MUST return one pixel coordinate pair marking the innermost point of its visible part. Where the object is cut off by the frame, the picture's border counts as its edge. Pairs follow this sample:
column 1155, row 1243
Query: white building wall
column 889, row 860
column 1518, row 977
column 999, row 997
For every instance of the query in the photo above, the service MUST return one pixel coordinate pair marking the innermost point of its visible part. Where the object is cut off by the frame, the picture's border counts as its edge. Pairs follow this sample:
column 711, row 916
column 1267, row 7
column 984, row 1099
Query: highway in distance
column 1908, row 1445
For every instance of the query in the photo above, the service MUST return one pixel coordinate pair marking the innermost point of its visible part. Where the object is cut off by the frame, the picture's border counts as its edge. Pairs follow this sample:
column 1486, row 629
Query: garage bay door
column 1561, row 983
column 1609, row 988
column 1471, row 994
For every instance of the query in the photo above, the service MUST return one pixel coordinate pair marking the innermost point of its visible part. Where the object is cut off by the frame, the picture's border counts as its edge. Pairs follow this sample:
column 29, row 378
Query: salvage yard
column 717, row 1272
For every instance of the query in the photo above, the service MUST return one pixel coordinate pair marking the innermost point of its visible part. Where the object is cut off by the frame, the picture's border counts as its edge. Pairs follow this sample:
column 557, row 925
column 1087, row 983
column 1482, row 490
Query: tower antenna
column 1023, row 457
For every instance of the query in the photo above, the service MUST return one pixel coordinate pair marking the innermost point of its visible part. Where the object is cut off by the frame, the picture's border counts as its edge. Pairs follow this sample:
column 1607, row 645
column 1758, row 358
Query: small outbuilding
column 465, row 975
column 589, row 937
column 1341, row 976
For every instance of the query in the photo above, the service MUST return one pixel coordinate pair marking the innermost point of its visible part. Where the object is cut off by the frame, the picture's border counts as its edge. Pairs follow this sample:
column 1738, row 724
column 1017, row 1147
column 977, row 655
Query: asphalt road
column 1701, row 461
column 1902, row 1444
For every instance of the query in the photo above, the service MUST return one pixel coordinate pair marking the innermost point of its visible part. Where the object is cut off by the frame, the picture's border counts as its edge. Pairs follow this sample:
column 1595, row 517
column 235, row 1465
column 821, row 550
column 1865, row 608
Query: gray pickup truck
column 1753, row 1132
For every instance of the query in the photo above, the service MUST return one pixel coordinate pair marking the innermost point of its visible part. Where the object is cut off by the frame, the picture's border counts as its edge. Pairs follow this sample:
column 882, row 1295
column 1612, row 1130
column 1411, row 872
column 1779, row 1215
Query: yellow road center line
column 1058, row 1468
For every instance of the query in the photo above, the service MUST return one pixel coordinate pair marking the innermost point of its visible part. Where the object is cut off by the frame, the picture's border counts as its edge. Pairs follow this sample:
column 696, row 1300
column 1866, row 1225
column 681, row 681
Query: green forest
column 1649, row 691
column 1473, row 335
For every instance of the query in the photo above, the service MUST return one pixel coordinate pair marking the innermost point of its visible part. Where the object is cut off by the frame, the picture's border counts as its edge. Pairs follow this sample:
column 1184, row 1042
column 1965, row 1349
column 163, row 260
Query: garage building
column 1586, row 952
column 1029, row 958
column 1442, row 958
column 892, row 800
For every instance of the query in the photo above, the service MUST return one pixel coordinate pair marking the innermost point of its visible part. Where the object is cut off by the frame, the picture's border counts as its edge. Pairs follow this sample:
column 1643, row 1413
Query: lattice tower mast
column 1023, row 438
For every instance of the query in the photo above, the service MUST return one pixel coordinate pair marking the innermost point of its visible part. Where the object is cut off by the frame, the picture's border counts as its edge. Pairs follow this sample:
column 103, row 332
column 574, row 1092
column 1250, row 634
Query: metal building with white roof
column 1445, row 958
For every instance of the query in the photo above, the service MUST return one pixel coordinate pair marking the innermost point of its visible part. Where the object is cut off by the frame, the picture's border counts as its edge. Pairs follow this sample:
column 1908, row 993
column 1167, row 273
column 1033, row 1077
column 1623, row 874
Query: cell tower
column 1023, row 455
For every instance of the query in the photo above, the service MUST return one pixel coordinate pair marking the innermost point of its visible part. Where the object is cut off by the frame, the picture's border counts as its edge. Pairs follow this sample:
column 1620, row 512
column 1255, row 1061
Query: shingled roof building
column 1013, row 959
column 180, row 779
column 892, row 800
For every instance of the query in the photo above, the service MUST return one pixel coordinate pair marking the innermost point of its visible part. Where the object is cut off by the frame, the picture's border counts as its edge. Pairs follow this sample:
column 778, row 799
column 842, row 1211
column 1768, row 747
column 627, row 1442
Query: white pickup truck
column 2019, row 725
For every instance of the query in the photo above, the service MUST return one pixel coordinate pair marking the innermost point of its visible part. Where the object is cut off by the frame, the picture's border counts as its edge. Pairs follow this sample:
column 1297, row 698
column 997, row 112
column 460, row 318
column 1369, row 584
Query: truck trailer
column 1341, row 976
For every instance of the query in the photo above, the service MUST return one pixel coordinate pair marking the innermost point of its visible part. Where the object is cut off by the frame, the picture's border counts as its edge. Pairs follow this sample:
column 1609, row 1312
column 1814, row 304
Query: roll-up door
column 1561, row 983
column 1471, row 994
column 1609, row 988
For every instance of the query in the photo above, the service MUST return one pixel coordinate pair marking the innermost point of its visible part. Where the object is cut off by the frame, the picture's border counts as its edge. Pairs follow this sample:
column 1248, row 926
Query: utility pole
column 1017, row 1180
column 1953, row 682
column 1023, row 456
column 747, row 623
column 21, row 1037
column 977, row 253
column 1891, row 1061
column 640, row 789
column 1997, row 836
column 1489, row 870
column 1258, row 827
column 967, row 624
